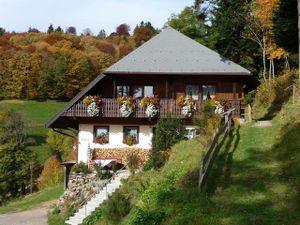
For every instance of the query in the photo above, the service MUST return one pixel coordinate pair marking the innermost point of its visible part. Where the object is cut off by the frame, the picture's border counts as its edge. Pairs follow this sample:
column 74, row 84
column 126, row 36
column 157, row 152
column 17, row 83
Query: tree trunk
column 264, row 58
column 299, row 35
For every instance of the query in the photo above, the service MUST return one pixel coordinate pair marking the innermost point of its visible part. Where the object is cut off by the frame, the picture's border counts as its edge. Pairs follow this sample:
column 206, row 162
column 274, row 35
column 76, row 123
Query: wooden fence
column 208, row 157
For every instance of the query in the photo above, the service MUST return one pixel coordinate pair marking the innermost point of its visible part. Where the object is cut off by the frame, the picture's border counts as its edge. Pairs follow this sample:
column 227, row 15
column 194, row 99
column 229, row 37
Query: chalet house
column 168, row 66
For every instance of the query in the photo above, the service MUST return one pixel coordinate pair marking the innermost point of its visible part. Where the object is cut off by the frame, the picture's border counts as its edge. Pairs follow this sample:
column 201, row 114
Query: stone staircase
column 98, row 199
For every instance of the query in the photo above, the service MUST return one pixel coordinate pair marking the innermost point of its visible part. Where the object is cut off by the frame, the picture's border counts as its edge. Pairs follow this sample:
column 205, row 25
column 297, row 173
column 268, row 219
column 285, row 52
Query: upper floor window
column 137, row 91
column 209, row 91
column 192, row 91
column 123, row 90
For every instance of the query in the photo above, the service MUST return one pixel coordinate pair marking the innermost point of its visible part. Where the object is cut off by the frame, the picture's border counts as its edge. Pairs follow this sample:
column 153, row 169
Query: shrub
column 52, row 173
column 117, row 207
column 81, row 168
column 133, row 162
column 270, row 96
column 169, row 131
column 208, row 122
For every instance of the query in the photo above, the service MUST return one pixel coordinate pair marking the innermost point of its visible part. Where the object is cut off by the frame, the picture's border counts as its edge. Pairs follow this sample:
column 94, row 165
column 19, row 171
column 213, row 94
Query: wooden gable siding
column 172, row 86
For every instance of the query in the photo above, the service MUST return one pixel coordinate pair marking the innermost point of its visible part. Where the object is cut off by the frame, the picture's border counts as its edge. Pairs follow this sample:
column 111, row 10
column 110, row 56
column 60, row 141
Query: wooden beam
column 167, row 89
column 114, row 89
column 234, row 90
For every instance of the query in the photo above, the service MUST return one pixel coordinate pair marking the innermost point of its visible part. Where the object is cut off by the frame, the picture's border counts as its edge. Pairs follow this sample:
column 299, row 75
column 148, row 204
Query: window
column 192, row 91
column 123, row 90
column 209, row 91
column 137, row 91
column 148, row 91
column 131, row 135
column 101, row 134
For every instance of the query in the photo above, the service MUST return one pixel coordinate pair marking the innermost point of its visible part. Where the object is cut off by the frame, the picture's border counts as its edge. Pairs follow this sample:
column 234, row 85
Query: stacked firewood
column 121, row 153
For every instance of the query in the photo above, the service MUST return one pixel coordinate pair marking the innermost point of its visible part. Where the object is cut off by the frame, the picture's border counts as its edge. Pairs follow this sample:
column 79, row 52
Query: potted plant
column 93, row 103
column 130, row 140
column 101, row 139
column 187, row 105
column 151, row 105
column 126, row 104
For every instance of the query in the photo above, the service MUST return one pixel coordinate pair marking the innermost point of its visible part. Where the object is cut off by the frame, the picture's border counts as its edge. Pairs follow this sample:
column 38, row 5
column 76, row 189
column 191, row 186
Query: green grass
column 35, row 114
column 254, row 180
column 33, row 200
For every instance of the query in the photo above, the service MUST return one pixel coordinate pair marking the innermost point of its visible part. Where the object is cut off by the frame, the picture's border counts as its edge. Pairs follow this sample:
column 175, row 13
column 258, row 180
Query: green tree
column 169, row 131
column 60, row 145
column 14, row 157
column 50, row 29
column 227, row 25
column 189, row 23
column 53, row 77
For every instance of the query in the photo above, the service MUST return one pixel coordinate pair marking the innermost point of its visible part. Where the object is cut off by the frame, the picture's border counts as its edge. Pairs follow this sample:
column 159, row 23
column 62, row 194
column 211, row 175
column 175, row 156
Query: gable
column 171, row 52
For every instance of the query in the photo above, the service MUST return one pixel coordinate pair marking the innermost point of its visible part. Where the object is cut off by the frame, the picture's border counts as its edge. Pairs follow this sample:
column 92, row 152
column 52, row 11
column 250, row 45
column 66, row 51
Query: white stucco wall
column 85, row 139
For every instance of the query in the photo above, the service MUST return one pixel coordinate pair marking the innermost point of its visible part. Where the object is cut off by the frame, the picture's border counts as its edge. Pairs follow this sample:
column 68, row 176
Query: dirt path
column 36, row 216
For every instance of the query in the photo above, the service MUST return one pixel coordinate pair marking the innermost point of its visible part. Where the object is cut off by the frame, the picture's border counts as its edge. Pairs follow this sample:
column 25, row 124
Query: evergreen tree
column 101, row 34
column 2, row 31
column 285, row 25
column 228, row 24
column 58, row 30
column 14, row 157
column 50, row 29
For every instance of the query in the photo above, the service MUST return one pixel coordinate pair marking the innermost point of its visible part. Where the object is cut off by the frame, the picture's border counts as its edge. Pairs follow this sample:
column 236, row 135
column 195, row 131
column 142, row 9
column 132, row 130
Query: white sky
column 19, row 15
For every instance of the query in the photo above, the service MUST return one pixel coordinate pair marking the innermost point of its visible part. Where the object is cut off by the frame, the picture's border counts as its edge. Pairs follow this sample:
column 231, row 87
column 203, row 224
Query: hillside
column 35, row 114
column 58, row 65
column 255, row 180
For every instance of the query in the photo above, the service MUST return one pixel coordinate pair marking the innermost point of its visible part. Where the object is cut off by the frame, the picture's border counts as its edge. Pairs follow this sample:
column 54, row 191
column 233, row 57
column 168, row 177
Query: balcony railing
column 109, row 108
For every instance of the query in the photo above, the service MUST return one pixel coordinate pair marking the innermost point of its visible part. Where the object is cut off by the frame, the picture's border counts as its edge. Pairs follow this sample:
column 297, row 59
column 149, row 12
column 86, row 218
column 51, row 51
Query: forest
column 260, row 35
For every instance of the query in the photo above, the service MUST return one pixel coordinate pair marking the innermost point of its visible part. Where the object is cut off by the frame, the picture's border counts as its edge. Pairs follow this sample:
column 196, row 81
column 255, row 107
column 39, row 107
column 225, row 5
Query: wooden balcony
column 109, row 108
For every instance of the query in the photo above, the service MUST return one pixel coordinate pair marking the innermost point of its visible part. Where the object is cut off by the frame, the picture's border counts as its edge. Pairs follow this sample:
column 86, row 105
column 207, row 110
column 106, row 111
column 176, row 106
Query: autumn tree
column 33, row 30
column 142, row 34
column 71, row 30
column 50, row 29
column 123, row 29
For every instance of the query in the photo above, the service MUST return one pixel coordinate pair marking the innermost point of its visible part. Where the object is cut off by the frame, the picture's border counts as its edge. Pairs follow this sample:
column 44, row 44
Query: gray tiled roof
column 174, row 53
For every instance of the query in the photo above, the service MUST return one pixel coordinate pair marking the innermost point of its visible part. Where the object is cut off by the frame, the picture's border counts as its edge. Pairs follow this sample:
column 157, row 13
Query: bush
column 270, row 96
column 169, row 131
column 52, row 173
column 81, row 168
column 208, row 122
column 133, row 162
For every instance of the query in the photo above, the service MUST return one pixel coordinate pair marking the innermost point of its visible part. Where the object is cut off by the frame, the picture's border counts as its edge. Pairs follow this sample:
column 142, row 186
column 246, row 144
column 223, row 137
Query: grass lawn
column 254, row 179
column 35, row 114
column 32, row 200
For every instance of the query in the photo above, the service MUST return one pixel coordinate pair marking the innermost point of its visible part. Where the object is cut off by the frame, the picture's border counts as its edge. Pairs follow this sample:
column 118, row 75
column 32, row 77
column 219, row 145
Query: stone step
column 71, row 223
column 98, row 199
column 75, row 220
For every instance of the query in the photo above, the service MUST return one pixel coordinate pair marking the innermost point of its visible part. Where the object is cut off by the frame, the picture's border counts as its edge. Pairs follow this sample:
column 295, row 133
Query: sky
column 19, row 15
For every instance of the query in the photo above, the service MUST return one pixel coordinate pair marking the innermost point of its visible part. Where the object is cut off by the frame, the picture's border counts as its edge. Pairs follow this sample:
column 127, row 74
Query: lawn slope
column 255, row 180
column 35, row 114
